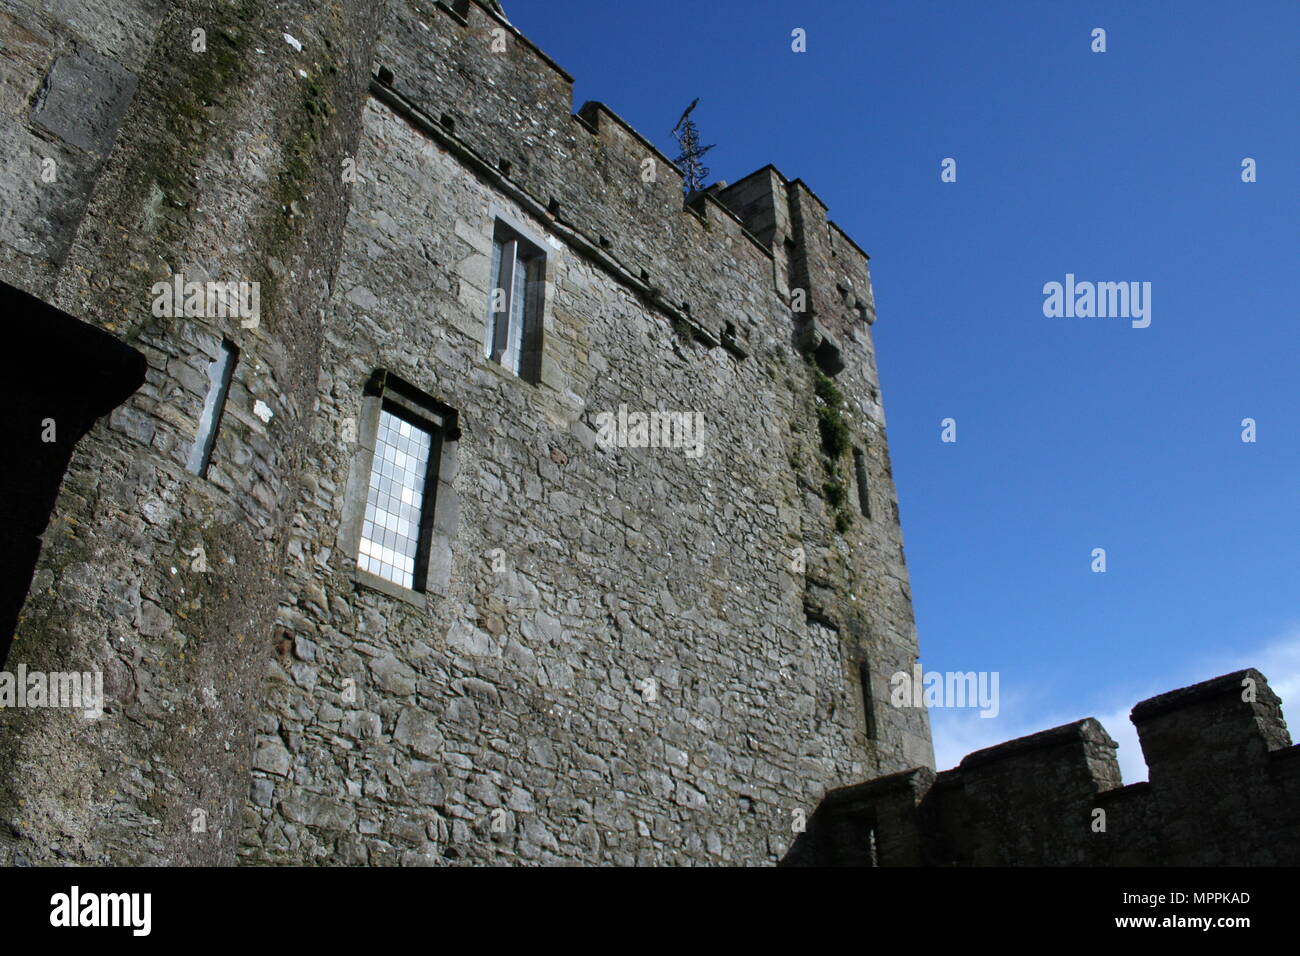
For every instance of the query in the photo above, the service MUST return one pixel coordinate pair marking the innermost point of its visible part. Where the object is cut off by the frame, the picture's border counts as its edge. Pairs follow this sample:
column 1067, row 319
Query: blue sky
column 1072, row 433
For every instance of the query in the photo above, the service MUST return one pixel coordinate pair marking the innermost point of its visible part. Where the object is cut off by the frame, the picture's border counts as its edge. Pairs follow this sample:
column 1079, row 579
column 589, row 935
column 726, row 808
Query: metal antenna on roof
column 688, row 138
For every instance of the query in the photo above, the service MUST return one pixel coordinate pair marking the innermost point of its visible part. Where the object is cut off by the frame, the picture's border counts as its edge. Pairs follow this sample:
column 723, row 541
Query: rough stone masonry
column 613, row 653
column 590, row 650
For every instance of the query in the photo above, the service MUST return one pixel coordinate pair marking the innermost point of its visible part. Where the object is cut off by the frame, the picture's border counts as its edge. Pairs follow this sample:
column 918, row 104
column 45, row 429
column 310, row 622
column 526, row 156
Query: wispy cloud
column 958, row 732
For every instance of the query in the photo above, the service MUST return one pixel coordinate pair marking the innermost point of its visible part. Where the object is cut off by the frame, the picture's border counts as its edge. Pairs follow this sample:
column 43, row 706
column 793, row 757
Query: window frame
column 516, row 250
column 221, row 375
column 439, row 514
column 428, row 491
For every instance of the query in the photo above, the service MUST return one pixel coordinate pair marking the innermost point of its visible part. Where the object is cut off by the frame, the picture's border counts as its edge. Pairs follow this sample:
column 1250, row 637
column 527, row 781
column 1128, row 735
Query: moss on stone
column 835, row 440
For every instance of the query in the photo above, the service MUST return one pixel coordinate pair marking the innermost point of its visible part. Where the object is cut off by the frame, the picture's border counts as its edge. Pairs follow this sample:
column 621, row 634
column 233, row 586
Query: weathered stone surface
column 419, row 731
column 165, row 161
column 84, row 100
column 620, row 647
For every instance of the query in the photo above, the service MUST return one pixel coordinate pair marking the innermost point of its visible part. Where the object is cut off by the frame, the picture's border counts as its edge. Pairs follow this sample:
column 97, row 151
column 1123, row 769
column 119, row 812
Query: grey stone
column 420, row 731
column 84, row 100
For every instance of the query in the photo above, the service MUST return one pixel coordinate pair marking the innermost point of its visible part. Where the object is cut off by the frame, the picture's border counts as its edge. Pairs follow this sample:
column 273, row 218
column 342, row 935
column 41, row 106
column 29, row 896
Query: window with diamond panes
column 395, row 505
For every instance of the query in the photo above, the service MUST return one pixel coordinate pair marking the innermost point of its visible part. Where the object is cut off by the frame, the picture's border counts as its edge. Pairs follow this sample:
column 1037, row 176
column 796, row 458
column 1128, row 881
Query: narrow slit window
column 394, row 532
column 514, row 326
column 864, row 486
column 868, row 708
column 220, row 371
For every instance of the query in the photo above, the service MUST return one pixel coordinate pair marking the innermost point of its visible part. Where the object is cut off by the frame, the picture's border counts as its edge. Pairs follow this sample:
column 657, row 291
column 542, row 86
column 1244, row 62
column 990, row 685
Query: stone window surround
column 550, row 247
column 512, row 253
column 441, row 515
column 221, row 374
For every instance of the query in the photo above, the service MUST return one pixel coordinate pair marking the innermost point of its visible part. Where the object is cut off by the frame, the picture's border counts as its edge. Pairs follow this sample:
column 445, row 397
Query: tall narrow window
column 864, row 486
column 393, row 535
column 868, row 708
column 400, row 510
column 514, row 326
column 220, row 371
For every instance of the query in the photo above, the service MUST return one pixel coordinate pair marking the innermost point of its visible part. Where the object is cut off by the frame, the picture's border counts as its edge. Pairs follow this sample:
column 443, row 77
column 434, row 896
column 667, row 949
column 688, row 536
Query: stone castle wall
column 627, row 655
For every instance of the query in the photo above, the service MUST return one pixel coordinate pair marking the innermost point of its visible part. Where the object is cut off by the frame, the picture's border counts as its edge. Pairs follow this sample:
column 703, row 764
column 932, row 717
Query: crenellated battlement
column 620, row 652
column 468, row 77
column 1224, row 782
column 587, row 648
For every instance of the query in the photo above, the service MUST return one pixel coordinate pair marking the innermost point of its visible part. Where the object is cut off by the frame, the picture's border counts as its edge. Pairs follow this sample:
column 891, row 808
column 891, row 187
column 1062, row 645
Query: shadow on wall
column 57, row 376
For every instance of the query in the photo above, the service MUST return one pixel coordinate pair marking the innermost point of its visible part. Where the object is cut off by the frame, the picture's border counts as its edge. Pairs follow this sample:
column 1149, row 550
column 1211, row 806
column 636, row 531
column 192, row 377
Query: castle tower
column 532, row 517
column 205, row 146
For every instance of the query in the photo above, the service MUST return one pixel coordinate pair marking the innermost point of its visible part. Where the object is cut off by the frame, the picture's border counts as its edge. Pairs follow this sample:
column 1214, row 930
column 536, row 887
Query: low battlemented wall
column 1223, row 788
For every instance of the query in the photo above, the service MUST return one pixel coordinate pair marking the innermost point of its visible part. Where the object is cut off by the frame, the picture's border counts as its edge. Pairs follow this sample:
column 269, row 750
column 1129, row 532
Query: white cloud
column 958, row 732
column 1279, row 661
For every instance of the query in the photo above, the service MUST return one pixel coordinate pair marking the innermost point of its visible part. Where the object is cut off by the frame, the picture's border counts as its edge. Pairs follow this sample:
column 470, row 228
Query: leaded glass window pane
column 390, row 534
